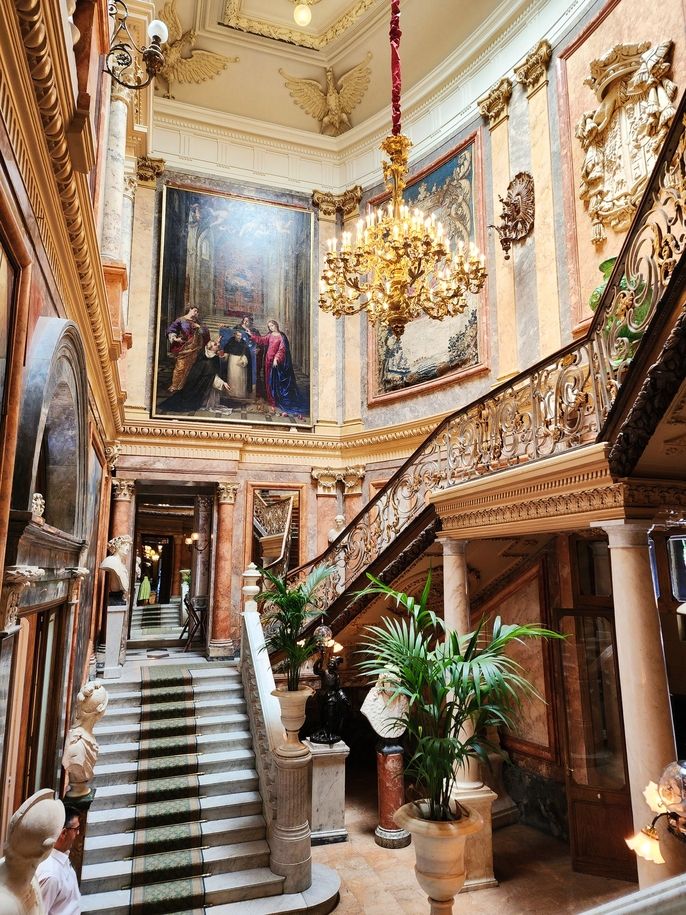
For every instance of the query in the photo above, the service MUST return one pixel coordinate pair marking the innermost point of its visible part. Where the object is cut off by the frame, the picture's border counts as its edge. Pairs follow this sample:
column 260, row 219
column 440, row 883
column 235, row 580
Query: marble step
column 216, row 859
column 118, row 846
column 121, row 714
column 222, row 761
column 198, row 667
column 207, row 724
column 203, row 689
column 113, row 796
column 219, row 889
column 320, row 898
column 110, row 820
column 207, row 743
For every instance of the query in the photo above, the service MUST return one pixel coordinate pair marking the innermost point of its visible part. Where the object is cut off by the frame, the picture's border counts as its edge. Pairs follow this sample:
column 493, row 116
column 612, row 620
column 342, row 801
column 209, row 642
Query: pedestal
column 504, row 811
column 327, row 819
column 116, row 617
column 289, row 838
column 391, row 794
column 479, row 848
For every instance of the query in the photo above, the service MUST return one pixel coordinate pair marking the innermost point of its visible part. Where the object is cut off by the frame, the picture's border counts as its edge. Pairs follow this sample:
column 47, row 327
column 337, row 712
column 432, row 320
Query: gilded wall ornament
column 346, row 203
column 332, row 105
column 198, row 66
column 518, row 211
column 148, row 170
column 531, row 73
column 494, row 105
column 622, row 137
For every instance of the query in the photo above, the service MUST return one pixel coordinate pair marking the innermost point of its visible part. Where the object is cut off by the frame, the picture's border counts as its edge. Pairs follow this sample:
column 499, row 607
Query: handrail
column 560, row 403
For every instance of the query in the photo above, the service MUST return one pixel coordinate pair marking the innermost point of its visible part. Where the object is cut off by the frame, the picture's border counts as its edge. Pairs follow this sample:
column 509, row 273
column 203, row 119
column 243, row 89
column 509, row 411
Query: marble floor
column 534, row 871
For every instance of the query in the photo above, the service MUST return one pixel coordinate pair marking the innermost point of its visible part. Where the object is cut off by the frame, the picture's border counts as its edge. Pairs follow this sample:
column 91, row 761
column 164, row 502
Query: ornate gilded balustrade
column 559, row 404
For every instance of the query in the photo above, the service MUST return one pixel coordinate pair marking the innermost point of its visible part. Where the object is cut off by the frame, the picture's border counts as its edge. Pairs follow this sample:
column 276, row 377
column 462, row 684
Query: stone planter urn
column 292, row 703
column 439, row 850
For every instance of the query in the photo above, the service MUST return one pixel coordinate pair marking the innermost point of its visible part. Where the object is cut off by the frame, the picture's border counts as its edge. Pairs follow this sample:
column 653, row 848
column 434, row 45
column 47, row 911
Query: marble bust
column 117, row 564
column 81, row 748
column 382, row 711
column 31, row 835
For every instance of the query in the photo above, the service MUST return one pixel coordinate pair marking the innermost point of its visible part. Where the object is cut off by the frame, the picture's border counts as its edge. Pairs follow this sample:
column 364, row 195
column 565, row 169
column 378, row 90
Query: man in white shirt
column 56, row 877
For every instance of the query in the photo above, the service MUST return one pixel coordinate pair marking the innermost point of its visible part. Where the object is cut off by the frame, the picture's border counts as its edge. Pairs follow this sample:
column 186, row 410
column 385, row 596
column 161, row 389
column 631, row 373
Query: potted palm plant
column 456, row 686
column 288, row 610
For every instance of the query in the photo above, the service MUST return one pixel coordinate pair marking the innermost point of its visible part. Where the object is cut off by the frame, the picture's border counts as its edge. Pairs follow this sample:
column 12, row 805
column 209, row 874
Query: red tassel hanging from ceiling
column 394, row 35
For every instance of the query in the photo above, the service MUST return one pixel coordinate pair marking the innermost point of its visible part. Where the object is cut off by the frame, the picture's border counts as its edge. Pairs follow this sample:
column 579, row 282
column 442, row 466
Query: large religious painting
column 233, row 331
column 430, row 352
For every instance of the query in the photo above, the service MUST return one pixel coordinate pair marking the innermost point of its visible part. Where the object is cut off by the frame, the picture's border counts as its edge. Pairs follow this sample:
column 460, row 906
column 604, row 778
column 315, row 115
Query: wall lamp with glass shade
column 194, row 541
column 121, row 61
column 666, row 799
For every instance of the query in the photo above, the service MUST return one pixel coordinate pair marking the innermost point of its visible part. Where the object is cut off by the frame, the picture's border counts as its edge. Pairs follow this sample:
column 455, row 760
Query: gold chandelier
column 401, row 264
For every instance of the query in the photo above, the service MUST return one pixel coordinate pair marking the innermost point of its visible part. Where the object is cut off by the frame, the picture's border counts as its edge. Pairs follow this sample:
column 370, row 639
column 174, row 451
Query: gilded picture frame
column 233, row 330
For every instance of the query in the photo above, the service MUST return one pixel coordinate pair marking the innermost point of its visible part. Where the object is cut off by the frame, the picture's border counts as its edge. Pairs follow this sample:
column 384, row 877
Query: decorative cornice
column 494, row 105
column 148, row 170
column 532, row 72
column 122, row 490
column 226, row 493
column 347, row 203
column 81, row 231
column 327, row 477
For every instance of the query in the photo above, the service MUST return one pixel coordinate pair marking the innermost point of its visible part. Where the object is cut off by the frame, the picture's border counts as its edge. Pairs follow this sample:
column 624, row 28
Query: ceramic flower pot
column 292, row 704
column 439, row 852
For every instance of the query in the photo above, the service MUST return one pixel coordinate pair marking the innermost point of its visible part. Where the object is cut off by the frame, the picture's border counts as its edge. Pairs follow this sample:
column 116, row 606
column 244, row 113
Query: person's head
column 246, row 322
column 237, row 336
column 70, row 831
column 212, row 346
column 192, row 312
column 273, row 326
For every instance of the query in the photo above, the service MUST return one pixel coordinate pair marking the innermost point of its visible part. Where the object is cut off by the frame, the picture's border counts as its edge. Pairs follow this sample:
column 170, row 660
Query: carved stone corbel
column 531, row 73
column 346, row 203
column 148, row 170
column 15, row 579
column 326, row 479
column 112, row 453
column 352, row 478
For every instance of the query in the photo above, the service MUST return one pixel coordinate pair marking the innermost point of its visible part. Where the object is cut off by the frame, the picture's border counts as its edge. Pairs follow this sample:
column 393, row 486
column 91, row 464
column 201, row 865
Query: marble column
column 328, row 355
column 202, row 549
column 532, row 74
column 111, row 240
column 177, row 565
column 648, row 728
column 469, row 787
column 224, row 629
column 130, row 185
column 494, row 107
column 122, row 504
column 390, row 782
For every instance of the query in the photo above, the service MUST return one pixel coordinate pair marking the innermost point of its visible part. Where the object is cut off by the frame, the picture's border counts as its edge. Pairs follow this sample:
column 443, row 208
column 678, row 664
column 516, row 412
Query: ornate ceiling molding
column 233, row 19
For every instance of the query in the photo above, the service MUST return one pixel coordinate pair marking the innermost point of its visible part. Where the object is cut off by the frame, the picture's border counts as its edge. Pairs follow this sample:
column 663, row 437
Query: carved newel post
column 117, row 567
column 80, row 756
column 31, row 835
column 383, row 712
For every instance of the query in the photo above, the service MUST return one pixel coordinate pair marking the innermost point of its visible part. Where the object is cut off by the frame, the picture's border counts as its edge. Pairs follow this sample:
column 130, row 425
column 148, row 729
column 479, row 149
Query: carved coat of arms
column 623, row 135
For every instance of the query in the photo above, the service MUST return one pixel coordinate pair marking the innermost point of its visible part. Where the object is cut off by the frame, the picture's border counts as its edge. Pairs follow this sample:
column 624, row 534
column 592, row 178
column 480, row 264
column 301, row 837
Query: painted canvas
column 429, row 350
column 233, row 329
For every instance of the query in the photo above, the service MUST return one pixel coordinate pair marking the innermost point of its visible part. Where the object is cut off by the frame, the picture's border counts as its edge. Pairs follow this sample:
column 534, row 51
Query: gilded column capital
column 494, row 105
column 326, row 479
column 226, row 493
column 130, row 185
column 352, row 480
column 122, row 490
column 148, row 170
column 531, row 73
column 329, row 205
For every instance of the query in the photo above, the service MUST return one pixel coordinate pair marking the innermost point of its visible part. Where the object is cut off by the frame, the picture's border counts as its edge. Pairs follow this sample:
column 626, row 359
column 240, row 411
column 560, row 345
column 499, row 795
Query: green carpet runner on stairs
column 168, row 864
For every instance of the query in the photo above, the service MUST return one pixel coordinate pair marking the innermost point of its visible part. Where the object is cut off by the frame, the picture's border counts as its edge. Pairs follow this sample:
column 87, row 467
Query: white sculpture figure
column 383, row 712
column 31, row 835
column 81, row 748
column 117, row 564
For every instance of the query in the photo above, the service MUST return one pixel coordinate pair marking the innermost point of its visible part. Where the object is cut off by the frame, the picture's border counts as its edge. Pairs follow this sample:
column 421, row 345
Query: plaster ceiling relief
column 341, row 35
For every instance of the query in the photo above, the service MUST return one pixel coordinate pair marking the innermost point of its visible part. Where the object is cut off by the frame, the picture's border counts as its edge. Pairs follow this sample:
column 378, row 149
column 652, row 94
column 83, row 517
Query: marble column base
column 390, row 786
column 116, row 617
column 504, row 812
column 221, row 649
column 479, row 848
column 327, row 819
column 392, row 838
column 289, row 838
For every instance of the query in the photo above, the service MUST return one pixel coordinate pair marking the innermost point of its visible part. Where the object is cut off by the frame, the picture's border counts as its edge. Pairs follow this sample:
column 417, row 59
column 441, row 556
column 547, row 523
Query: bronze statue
column 333, row 702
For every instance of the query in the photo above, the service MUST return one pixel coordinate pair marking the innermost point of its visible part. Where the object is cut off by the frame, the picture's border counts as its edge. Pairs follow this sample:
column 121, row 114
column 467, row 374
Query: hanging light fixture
column 302, row 13
column 401, row 264
column 120, row 62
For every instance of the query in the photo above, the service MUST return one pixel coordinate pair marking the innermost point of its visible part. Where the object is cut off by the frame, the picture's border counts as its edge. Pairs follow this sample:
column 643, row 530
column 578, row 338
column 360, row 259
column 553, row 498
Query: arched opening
column 57, row 473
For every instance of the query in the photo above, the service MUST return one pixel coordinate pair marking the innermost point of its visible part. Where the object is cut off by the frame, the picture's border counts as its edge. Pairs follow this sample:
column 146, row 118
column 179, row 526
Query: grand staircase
column 176, row 825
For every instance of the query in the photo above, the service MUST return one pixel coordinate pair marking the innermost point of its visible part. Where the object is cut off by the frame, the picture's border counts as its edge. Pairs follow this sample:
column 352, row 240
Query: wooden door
column 598, row 797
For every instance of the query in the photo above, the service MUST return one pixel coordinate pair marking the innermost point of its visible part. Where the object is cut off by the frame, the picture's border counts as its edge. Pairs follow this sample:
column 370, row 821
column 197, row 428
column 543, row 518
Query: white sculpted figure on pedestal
column 81, row 748
column 382, row 711
column 117, row 564
column 31, row 835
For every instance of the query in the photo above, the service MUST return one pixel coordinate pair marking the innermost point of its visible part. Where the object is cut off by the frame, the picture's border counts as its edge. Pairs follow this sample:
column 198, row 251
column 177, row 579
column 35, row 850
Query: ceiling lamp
column 302, row 13
column 401, row 264
column 120, row 62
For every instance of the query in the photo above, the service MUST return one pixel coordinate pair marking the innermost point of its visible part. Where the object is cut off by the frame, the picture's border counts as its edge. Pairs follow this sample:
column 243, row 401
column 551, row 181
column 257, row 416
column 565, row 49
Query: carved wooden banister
column 562, row 402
